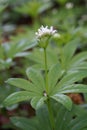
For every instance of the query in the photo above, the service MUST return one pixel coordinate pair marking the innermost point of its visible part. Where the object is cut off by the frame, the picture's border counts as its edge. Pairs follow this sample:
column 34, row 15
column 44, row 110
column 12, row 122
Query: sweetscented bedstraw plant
column 43, row 35
column 60, row 79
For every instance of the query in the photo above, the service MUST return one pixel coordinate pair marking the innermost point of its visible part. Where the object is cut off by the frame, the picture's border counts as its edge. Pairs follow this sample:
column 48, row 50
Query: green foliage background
column 20, row 19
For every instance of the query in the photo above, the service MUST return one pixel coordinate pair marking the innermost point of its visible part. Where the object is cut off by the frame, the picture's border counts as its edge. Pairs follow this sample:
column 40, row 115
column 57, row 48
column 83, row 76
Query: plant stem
column 47, row 90
column 46, row 75
column 51, row 114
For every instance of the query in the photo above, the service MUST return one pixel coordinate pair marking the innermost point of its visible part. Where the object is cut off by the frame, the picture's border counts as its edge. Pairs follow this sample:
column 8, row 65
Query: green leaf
column 36, row 79
column 53, row 75
column 70, row 79
column 39, row 122
column 75, row 88
column 24, row 123
column 62, row 120
column 78, row 59
column 68, row 51
column 80, row 66
column 20, row 46
column 45, row 7
column 2, row 6
column 17, row 97
column 37, row 102
column 65, row 120
column 79, row 123
column 64, row 100
column 1, row 52
column 79, row 110
column 22, row 83
column 43, row 117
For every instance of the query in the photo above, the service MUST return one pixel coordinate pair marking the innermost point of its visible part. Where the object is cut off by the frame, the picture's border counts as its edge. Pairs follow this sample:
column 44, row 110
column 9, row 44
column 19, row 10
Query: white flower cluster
column 45, row 31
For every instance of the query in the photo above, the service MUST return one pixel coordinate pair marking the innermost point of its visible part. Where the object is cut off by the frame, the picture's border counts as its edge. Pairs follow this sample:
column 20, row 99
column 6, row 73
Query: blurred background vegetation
column 19, row 20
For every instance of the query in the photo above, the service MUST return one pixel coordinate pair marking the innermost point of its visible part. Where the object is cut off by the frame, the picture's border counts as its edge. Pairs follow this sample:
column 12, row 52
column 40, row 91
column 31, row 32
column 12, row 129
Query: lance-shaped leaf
column 78, row 59
column 70, row 79
column 39, row 122
column 80, row 66
column 36, row 78
column 75, row 88
column 80, row 123
column 22, row 83
column 43, row 117
column 37, row 102
column 25, row 123
column 22, row 46
column 64, row 100
column 17, row 97
column 62, row 120
column 53, row 75
column 68, row 51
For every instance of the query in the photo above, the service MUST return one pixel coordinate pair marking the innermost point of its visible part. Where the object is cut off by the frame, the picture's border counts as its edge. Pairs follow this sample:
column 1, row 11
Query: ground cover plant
column 43, row 65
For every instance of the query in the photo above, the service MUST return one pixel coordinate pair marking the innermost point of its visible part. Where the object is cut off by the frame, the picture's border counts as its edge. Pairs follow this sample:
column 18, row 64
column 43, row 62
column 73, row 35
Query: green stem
column 51, row 114
column 47, row 90
column 46, row 75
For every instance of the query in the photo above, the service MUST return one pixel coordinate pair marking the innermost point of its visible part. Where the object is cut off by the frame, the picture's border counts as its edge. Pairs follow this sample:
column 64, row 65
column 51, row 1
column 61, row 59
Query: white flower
column 69, row 5
column 45, row 31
